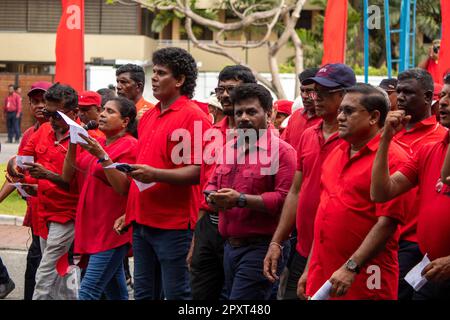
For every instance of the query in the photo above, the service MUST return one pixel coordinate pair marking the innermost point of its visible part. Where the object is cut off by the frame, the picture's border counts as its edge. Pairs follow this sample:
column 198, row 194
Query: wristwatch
column 242, row 201
column 103, row 159
column 352, row 266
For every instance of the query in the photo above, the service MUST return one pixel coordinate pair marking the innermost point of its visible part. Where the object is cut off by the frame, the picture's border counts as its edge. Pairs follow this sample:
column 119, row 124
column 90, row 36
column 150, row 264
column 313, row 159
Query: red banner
column 335, row 32
column 444, row 52
column 70, row 45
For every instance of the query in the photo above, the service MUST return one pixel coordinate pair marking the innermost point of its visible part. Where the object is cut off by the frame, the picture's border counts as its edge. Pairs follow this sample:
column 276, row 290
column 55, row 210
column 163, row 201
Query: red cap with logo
column 89, row 98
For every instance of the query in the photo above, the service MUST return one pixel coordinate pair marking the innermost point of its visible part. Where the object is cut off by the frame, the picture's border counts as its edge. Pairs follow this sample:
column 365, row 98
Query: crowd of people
column 241, row 198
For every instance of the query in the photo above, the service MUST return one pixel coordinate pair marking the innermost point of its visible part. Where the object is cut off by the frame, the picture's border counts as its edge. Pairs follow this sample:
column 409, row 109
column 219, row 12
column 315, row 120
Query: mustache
column 245, row 125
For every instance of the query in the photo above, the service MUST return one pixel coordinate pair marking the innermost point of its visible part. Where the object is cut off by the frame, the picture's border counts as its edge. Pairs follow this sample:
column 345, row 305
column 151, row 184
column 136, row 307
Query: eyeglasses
column 222, row 89
column 52, row 114
column 322, row 94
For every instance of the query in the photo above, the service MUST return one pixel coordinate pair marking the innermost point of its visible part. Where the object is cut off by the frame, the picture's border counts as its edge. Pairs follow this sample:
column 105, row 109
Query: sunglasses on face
column 52, row 114
column 222, row 89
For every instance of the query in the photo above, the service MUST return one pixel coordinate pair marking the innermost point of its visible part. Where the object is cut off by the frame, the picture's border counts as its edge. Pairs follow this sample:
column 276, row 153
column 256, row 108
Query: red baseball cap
column 283, row 106
column 39, row 86
column 89, row 98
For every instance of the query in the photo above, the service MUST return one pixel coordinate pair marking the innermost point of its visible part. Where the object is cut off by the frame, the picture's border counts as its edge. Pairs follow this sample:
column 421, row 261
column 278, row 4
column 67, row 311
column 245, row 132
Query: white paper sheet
column 19, row 188
column 324, row 292
column 143, row 186
column 414, row 277
column 75, row 129
column 20, row 160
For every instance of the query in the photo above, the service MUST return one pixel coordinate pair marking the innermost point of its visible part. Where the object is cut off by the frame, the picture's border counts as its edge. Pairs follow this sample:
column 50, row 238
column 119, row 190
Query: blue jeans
column 105, row 274
column 244, row 276
column 160, row 267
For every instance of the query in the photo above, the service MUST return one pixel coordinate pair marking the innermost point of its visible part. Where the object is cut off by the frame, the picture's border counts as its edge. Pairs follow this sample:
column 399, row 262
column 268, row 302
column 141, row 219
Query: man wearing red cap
column 89, row 106
column 283, row 109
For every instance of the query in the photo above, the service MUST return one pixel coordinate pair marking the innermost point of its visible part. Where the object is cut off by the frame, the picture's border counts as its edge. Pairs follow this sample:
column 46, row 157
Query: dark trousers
column 33, row 259
column 244, row 276
column 433, row 291
column 160, row 263
column 12, row 124
column 207, row 275
column 4, row 276
column 409, row 256
column 296, row 269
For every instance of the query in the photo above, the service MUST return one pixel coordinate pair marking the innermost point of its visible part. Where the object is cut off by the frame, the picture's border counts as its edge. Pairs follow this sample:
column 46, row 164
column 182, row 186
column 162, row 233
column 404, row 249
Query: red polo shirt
column 312, row 151
column 423, row 132
column 13, row 103
column 99, row 205
column 54, row 203
column 346, row 215
column 253, row 179
column 424, row 170
column 167, row 206
column 298, row 123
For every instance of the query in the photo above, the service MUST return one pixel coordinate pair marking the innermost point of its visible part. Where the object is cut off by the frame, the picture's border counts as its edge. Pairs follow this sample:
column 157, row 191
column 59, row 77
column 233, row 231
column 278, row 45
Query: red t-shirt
column 167, row 206
column 423, row 132
column 433, row 69
column 313, row 149
column 142, row 106
column 272, row 183
column 346, row 215
column 30, row 220
column 99, row 205
column 424, row 170
column 298, row 123
column 54, row 203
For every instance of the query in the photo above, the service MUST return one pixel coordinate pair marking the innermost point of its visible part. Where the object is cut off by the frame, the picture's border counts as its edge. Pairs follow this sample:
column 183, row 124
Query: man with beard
column 316, row 143
column 205, row 257
column 305, row 117
column 249, row 195
column 414, row 95
column 424, row 171
column 56, row 205
column 130, row 84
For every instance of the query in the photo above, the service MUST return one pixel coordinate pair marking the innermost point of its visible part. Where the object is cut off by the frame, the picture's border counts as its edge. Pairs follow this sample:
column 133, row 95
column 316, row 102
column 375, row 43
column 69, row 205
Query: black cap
column 333, row 75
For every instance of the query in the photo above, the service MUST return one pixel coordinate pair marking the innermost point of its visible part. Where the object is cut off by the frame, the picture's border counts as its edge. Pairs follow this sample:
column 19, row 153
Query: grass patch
column 13, row 204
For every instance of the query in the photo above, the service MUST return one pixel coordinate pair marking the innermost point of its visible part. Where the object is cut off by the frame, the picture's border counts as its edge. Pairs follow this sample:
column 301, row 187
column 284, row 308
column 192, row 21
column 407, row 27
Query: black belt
column 242, row 242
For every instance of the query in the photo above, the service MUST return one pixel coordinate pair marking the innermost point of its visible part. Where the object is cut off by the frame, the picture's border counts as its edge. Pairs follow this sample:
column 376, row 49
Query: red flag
column 444, row 52
column 335, row 32
column 70, row 45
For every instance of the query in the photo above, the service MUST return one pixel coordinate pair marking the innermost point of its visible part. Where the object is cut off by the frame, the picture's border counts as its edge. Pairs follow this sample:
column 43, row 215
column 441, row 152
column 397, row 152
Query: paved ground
column 13, row 250
column 8, row 149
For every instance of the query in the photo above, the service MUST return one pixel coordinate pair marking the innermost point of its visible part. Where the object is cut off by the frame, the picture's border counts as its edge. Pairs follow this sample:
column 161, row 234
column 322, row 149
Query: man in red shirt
column 12, row 111
column 355, row 240
column 56, row 205
column 282, row 109
column 414, row 96
column 249, row 193
column 424, row 171
column 130, row 84
column 205, row 257
column 305, row 117
column 165, row 213
column 303, row 198
column 431, row 63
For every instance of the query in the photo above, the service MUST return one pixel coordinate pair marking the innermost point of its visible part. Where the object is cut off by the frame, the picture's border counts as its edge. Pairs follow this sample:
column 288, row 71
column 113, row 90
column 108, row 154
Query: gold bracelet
column 277, row 244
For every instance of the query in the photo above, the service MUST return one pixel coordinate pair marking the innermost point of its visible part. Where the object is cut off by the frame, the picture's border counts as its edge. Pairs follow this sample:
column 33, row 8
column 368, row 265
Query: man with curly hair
column 164, row 214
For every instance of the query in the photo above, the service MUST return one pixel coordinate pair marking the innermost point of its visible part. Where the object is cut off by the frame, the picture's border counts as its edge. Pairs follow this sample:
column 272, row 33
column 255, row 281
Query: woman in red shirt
column 103, row 198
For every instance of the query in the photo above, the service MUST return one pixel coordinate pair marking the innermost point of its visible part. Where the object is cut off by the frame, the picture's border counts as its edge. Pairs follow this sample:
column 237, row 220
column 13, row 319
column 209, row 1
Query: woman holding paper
column 103, row 198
